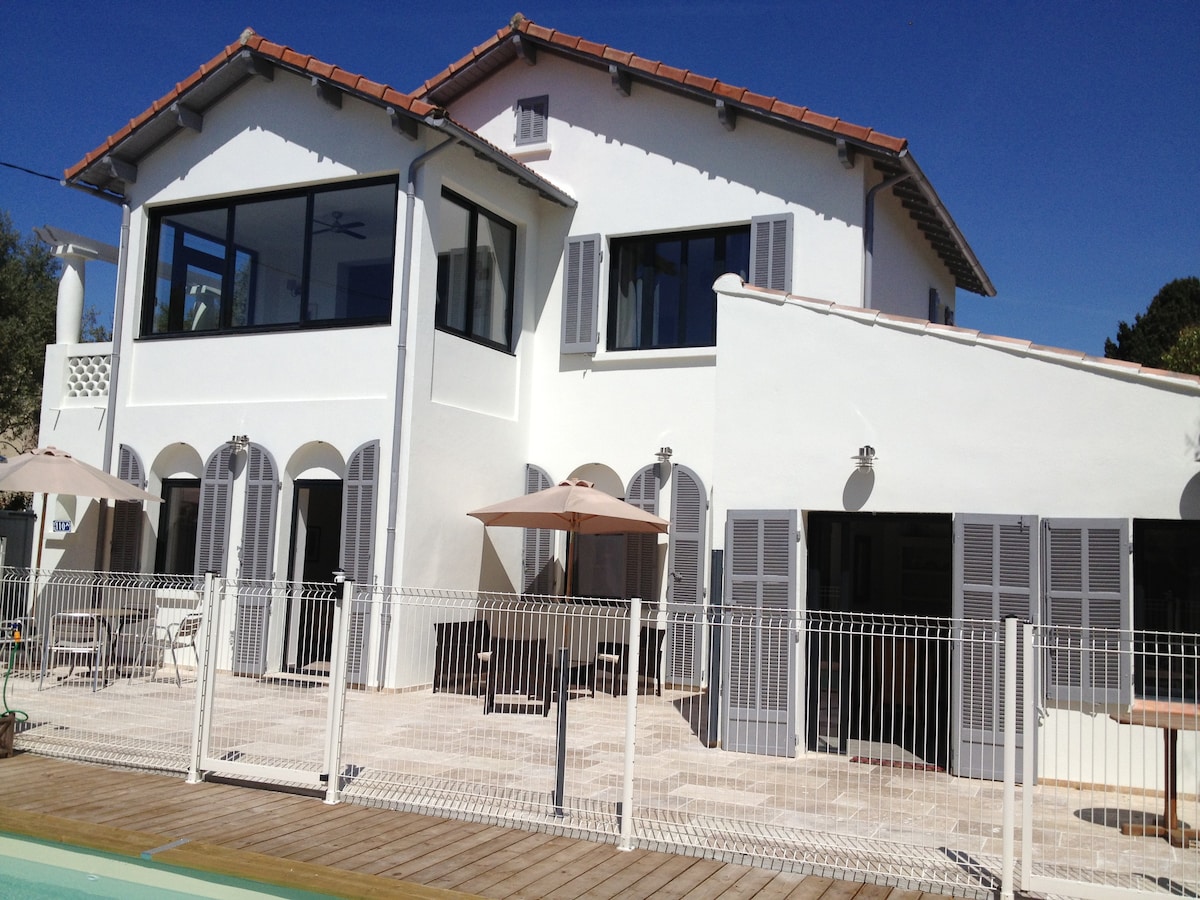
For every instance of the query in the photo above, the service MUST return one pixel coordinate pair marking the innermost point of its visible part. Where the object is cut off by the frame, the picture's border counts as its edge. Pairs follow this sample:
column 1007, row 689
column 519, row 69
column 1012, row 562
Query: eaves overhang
column 109, row 169
column 523, row 40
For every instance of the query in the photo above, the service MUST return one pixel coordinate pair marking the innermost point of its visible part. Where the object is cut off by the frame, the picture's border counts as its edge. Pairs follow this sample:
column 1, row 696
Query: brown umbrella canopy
column 572, row 506
column 49, row 470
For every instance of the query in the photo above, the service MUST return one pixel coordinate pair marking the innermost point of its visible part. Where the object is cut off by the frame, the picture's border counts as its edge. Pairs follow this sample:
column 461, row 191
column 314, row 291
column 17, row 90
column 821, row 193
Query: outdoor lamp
column 865, row 457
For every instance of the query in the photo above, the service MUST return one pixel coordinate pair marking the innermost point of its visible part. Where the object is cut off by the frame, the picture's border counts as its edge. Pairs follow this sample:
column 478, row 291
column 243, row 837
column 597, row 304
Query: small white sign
column 61, row 526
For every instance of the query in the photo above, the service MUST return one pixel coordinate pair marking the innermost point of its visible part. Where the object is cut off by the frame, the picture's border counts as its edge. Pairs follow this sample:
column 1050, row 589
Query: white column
column 69, row 318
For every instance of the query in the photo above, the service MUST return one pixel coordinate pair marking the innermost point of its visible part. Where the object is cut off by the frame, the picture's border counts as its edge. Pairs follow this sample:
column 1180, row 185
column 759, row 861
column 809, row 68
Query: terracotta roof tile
column 643, row 65
column 699, row 81
column 820, row 121
column 316, row 67
column 780, row 108
column 292, row 58
column 618, row 56
column 855, row 131
column 728, row 91
column 671, row 73
column 536, row 31
column 591, row 47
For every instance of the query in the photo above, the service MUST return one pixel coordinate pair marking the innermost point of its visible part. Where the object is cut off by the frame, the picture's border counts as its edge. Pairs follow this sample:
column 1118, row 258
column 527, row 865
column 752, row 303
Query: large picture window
column 660, row 287
column 318, row 257
column 476, row 260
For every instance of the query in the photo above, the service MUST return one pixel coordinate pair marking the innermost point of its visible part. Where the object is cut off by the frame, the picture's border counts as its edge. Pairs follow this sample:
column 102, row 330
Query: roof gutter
column 869, row 234
column 410, row 203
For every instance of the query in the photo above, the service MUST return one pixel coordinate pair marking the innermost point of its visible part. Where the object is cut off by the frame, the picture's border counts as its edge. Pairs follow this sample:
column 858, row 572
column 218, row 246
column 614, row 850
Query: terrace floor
column 355, row 851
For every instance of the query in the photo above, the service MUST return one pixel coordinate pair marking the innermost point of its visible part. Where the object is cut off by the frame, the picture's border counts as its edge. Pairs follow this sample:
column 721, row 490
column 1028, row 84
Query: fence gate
column 282, row 726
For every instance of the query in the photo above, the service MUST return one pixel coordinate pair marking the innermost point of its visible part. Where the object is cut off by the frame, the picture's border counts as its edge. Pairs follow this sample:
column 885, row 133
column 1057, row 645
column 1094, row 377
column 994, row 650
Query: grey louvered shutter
column 532, row 113
column 581, row 294
column 359, row 493
column 258, row 564
column 125, row 551
column 685, row 577
column 1089, row 657
column 758, row 655
column 212, row 520
column 641, row 550
column 995, row 576
column 771, row 251
column 537, row 557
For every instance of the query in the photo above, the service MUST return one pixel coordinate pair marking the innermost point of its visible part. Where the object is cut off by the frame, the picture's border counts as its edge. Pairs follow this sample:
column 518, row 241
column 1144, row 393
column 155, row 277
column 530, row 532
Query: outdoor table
column 116, row 619
column 1172, row 718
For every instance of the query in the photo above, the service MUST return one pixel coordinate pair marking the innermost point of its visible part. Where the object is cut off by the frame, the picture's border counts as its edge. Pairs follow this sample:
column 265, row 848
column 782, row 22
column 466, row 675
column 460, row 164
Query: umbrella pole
column 41, row 534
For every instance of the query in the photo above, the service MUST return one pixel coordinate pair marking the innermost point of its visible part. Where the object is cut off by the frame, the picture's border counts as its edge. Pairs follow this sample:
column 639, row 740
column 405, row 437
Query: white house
column 348, row 315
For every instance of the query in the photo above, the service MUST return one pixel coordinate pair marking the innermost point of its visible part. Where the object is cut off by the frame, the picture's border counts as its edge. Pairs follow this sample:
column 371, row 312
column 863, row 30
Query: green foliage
column 1157, row 330
column 28, row 294
column 1185, row 355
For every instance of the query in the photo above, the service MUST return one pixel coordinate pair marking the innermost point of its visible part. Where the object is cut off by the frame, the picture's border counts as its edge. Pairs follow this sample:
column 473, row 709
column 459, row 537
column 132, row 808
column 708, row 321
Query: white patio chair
column 172, row 637
column 79, row 636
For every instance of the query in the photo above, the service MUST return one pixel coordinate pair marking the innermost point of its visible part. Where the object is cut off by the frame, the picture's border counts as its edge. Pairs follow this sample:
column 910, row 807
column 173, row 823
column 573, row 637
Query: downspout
column 869, row 234
column 402, row 347
column 113, row 369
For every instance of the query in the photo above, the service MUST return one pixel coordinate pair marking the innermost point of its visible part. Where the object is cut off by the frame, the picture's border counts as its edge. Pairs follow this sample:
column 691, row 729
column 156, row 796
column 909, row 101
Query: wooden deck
column 355, row 851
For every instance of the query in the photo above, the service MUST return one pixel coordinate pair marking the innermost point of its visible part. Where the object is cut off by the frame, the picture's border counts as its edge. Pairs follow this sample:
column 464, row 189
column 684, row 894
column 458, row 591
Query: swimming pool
column 31, row 869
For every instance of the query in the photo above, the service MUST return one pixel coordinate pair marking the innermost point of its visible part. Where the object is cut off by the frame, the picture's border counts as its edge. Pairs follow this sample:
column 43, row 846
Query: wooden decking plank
column 811, row 888
column 678, row 887
column 491, row 868
column 781, row 886
column 375, row 859
column 611, row 876
column 842, row 890
column 440, row 861
column 390, row 837
column 400, row 854
column 583, row 882
column 418, row 845
column 571, row 864
column 318, row 823
column 755, row 883
column 509, row 876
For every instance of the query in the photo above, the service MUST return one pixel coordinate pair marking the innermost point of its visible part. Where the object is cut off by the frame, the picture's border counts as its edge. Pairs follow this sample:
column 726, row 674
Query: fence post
column 631, row 701
column 206, row 677
column 1010, row 754
column 1029, row 713
column 337, row 692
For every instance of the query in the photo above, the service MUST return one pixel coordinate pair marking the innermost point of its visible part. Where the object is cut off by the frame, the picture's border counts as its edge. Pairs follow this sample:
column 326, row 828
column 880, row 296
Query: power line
column 9, row 165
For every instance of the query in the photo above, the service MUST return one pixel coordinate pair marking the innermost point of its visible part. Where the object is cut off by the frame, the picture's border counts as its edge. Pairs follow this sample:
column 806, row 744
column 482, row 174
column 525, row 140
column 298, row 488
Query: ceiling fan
column 337, row 226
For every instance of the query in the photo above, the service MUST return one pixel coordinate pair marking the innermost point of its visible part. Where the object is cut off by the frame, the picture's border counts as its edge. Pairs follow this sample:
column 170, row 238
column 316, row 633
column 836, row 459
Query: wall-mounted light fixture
column 865, row 458
column 240, row 442
column 664, row 454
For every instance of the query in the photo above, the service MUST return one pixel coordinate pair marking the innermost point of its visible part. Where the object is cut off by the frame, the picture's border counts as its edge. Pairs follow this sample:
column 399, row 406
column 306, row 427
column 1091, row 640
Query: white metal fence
column 453, row 703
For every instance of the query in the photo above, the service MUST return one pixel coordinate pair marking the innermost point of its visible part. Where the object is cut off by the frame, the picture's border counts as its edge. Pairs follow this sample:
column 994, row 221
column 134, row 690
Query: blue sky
column 1064, row 137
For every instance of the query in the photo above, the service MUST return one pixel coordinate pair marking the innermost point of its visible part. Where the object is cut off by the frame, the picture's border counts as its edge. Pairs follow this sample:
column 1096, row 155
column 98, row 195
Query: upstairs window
column 660, row 287
column 532, row 113
column 320, row 257
column 476, row 259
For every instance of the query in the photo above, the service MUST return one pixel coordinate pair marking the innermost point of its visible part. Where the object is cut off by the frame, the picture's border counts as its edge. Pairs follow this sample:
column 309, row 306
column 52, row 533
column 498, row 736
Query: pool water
column 37, row 870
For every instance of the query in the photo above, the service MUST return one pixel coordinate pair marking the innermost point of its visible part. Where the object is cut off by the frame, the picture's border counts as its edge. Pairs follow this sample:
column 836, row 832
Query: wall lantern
column 239, row 442
column 865, row 458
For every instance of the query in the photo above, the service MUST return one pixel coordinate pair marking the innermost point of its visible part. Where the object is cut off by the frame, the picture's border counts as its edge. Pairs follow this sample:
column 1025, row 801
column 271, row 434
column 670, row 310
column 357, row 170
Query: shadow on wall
column 1189, row 500
column 492, row 574
column 858, row 489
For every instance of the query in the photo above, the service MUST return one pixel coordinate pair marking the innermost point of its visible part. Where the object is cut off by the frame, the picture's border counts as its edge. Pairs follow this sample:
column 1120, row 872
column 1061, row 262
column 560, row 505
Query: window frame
column 474, row 210
column 644, row 241
column 532, row 113
column 233, row 251
column 162, row 539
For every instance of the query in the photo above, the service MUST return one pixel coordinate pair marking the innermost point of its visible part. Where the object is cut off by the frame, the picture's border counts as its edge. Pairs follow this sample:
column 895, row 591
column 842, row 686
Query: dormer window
column 532, row 113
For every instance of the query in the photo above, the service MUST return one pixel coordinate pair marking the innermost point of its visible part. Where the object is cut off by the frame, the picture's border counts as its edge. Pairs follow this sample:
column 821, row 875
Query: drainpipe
column 869, row 234
column 402, row 345
column 113, row 368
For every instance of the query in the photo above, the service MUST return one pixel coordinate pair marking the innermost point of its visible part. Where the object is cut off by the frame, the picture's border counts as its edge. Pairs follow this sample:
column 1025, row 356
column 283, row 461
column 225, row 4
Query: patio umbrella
column 49, row 470
column 575, row 506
